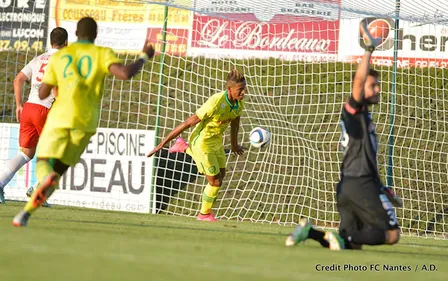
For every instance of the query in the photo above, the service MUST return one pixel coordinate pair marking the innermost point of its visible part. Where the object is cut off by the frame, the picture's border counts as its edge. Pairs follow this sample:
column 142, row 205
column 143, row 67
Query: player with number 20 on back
column 78, row 72
column 33, row 113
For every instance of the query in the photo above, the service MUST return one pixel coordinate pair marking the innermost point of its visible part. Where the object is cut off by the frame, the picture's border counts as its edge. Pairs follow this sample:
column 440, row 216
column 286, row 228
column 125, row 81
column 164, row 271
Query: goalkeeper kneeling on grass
column 364, row 204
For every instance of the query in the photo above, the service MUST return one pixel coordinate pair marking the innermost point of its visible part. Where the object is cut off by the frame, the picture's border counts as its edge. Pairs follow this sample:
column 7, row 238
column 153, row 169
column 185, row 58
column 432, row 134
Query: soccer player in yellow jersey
column 206, row 141
column 77, row 72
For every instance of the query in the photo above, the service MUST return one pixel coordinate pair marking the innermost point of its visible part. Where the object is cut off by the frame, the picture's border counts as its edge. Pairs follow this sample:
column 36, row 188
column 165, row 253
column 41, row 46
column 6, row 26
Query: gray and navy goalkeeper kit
column 358, row 141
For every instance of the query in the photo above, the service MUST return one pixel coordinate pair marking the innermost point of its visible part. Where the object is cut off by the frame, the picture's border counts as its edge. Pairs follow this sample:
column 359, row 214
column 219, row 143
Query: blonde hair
column 235, row 76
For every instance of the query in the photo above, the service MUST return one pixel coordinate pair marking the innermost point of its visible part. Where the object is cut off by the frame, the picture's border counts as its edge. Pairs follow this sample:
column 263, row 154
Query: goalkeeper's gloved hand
column 393, row 198
column 369, row 42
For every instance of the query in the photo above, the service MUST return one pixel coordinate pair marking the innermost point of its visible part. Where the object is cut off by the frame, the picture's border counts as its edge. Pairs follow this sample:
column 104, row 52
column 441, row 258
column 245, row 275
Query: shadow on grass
column 236, row 230
column 418, row 245
column 149, row 225
column 435, row 255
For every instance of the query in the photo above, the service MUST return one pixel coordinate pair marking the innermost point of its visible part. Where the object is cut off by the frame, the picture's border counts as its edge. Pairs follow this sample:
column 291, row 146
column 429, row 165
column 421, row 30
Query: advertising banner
column 24, row 25
column 418, row 45
column 269, row 10
column 301, row 40
column 243, row 29
column 113, row 173
column 9, row 147
column 176, row 40
column 122, row 25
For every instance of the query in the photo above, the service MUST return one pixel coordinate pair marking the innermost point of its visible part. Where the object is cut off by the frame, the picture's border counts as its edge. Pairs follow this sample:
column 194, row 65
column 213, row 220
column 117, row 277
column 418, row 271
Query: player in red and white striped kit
column 33, row 113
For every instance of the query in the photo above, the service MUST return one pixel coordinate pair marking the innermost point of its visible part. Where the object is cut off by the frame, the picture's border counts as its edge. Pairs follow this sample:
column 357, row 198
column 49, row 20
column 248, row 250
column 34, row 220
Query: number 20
column 69, row 58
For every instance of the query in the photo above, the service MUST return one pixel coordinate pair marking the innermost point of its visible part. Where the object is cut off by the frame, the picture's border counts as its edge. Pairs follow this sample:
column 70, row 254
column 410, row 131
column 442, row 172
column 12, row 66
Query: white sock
column 12, row 167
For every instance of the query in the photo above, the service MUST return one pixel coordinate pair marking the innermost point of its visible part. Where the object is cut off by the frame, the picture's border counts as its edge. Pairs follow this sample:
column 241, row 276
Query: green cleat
column 2, row 196
column 335, row 240
column 300, row 233
column 29, row 191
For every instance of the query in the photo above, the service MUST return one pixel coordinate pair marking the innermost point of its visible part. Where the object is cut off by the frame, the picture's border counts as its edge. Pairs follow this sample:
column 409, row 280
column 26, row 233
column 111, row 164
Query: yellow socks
column 208, row 198
column 43, row 169
column 45, row 188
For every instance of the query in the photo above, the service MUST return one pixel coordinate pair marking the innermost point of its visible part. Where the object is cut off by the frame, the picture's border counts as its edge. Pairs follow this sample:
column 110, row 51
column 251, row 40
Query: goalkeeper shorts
column 362, row 205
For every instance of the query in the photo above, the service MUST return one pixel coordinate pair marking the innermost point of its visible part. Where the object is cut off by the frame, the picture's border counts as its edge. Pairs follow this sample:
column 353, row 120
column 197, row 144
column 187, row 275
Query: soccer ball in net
column 259, row 137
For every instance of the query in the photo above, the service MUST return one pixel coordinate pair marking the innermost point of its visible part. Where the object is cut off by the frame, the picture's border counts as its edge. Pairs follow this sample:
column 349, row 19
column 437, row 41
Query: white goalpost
column 298, row 57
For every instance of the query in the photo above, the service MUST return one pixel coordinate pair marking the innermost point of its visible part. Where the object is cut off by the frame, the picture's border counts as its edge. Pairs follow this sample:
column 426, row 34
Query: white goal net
column 298, row 58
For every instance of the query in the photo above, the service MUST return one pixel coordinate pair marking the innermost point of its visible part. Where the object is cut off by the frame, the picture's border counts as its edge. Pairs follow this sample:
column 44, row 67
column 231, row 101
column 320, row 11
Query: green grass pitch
column 64, row 243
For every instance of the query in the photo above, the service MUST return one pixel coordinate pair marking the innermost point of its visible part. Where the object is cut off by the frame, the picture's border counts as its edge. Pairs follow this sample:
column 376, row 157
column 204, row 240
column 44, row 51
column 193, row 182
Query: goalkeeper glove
column 369, row 41
column 393, row 198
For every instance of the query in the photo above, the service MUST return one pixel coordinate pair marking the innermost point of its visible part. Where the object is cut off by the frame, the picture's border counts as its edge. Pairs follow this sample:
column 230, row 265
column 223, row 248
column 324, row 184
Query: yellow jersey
column 215, row 114
column 78, row 71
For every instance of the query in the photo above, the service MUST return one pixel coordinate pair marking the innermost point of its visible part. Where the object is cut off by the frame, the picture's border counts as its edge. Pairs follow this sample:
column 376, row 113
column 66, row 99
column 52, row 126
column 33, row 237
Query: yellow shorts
column 208, row 163
column 64, row 144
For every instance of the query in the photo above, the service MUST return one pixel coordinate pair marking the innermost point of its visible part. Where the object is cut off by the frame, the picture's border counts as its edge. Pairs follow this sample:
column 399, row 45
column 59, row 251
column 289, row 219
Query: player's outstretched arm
column 19, row 80
column 190, row 122
column 125, row 72
column 363, row 67
column 234, row 128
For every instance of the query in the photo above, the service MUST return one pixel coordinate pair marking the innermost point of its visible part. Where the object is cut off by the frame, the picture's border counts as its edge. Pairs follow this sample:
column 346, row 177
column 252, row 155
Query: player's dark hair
column 235, row 76
column 58, row 36
column 87, row 29
column 372, row 72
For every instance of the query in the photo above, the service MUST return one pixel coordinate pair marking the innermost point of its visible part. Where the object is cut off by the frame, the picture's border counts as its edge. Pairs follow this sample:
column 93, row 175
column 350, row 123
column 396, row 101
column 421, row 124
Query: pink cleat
column 180, row 146
column 207, row 217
